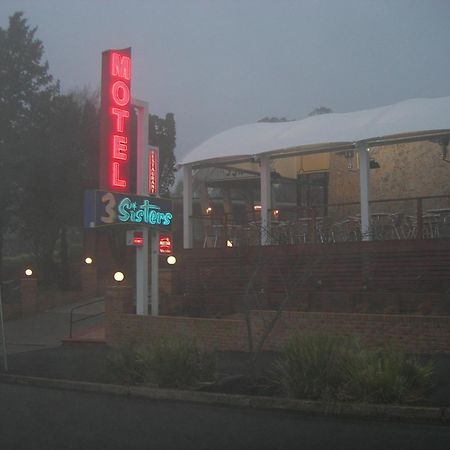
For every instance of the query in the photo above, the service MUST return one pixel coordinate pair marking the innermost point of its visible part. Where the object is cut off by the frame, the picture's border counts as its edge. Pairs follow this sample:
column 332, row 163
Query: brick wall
column 217, row 334
column 418, row 334
column 404, row 172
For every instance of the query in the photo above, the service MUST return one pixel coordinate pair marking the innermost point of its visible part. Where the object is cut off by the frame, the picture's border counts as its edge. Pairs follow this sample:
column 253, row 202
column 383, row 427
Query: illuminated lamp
column 171, row 260
column 88, row 260
column 138, row 238
column 135, row 238
column 119, row 277
column 229, row 243
column 208, row 210
column 257, row 207
column 28, row 272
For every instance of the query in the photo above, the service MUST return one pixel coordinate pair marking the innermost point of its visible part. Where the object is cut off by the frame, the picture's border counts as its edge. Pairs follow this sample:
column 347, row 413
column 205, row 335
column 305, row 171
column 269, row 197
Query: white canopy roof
column 409, row 120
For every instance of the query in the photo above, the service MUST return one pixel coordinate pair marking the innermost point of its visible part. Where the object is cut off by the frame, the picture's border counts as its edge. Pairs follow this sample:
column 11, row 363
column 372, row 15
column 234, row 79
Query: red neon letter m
column 120, row 66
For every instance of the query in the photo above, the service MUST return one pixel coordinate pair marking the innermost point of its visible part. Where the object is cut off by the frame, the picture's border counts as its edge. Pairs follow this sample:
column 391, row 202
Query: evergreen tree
column 25, row 88
column 162, row 134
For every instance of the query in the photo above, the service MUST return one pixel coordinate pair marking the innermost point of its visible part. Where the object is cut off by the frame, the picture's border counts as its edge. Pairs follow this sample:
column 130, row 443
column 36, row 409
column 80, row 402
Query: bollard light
column 28, row 272
column 88, row 260
column 171, row 260
column 119, row 276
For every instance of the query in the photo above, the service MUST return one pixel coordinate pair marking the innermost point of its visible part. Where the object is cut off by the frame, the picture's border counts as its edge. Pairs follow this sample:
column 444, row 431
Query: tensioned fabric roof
column 416, row 119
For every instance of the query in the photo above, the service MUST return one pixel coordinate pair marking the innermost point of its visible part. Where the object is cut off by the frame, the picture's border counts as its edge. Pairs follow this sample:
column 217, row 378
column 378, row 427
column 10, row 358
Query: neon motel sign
column 115, row 121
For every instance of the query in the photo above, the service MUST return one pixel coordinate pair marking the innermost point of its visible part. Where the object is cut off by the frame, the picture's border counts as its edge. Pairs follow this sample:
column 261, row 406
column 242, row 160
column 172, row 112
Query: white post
column 142, row 146
column 2, row 324
column 155, row 270
column 364, row 187
column 188, row 234
column 142, row 189
column 142, row 275
column 265, row 199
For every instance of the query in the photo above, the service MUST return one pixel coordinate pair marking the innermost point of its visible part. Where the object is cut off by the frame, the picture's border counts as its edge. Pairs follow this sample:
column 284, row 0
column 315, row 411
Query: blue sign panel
column 110, row 208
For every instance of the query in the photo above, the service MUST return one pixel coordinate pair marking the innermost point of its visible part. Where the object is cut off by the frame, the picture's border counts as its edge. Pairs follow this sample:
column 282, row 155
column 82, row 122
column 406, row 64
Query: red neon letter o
column 120, row 93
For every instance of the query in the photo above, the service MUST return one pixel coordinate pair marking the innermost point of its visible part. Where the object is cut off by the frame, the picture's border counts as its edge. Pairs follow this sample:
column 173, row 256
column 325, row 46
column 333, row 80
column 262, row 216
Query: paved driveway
column 47, row 329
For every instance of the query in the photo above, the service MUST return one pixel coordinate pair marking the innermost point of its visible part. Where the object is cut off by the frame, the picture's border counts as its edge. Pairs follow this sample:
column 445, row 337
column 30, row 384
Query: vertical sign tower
column 114, row 164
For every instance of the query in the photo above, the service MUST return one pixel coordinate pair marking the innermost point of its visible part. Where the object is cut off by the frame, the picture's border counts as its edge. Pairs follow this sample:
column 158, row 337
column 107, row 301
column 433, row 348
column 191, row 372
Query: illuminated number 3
column 111, row 214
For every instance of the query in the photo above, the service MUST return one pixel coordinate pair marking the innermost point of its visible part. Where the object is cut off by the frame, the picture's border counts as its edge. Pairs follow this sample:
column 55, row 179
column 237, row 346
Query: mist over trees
column 49, row 152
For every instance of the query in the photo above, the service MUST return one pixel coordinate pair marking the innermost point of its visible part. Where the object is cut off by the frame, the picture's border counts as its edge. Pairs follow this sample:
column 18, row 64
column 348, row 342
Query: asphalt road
column 36, row 418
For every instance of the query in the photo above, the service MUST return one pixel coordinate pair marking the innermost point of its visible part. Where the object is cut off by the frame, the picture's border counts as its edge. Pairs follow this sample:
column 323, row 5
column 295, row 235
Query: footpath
column 37, row 357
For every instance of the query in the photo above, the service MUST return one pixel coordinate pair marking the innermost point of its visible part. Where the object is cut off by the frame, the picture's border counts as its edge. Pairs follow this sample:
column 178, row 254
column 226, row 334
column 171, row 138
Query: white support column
column 188, row 235
column 364, row 187
column 142, row 189
column 142, row 274
column 142, row 147
column 265, row 199
column 155, row 270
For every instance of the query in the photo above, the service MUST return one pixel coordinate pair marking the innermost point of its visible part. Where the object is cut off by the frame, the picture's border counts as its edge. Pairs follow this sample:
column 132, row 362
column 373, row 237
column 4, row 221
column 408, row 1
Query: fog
column 219, row 64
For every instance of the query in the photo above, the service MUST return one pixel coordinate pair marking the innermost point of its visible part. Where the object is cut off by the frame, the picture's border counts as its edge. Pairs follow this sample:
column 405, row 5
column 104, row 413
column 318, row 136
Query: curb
column 431, row 415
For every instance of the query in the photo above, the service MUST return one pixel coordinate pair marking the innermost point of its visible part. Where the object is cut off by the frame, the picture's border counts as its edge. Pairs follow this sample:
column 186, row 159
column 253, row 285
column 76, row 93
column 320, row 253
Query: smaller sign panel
column 153, row 171
column 135, row 238
column 111, row 208
column 165, row 244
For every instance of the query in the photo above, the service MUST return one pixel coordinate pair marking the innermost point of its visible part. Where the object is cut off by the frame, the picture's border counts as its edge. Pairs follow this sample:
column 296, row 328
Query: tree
column 25, row 87
column 273, row 119
column 320, row 110
column 162, row 134
column 55, row 177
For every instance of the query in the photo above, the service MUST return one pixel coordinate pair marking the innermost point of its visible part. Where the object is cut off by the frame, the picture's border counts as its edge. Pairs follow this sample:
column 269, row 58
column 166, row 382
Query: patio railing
column 426, row 217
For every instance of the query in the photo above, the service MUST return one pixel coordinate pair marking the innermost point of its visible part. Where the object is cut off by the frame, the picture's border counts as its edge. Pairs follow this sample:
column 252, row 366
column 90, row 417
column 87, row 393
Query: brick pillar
column 89, row 284
column 119, row 300
column 28, row 295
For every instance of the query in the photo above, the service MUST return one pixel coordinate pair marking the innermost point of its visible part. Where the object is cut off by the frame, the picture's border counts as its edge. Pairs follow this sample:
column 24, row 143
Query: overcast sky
column 220, row 63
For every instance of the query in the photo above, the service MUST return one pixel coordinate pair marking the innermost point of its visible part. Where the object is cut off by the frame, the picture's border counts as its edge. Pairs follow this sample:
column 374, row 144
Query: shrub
column 323, row 366
column 384, row 376
column 128, row 365
column 178, row 363
column 309, row 367
column 167, row 363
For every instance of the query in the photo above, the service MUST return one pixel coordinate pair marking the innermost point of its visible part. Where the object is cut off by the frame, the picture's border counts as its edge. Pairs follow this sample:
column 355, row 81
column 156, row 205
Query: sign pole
column 155, row 272
column 142, row 189
column 5, row 355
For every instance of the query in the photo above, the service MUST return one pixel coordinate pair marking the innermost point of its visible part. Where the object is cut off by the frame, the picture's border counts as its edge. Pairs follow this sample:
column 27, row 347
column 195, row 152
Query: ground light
column 119, row 276
column 88, row 260
column 171, row 260
column 28, row 272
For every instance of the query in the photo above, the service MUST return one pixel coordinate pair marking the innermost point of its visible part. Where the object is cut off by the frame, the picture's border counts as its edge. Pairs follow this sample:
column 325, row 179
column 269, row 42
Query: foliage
column 323, row 367
column 162, row 134
column 384, row 376
column 128, row 365
column 179, row 363
column 309, row 367
column 273, row 120
column 54, row 178
column 25, row 88
column 320, row 110
column 170, row 362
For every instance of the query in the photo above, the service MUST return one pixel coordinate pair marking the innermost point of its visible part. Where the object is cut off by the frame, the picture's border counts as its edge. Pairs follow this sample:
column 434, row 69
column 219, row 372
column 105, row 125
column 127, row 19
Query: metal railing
column 391, row 218
column 90, row 316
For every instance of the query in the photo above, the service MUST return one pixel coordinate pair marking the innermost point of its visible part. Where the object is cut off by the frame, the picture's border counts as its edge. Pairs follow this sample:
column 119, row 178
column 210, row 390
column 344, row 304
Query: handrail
column 97, row 300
